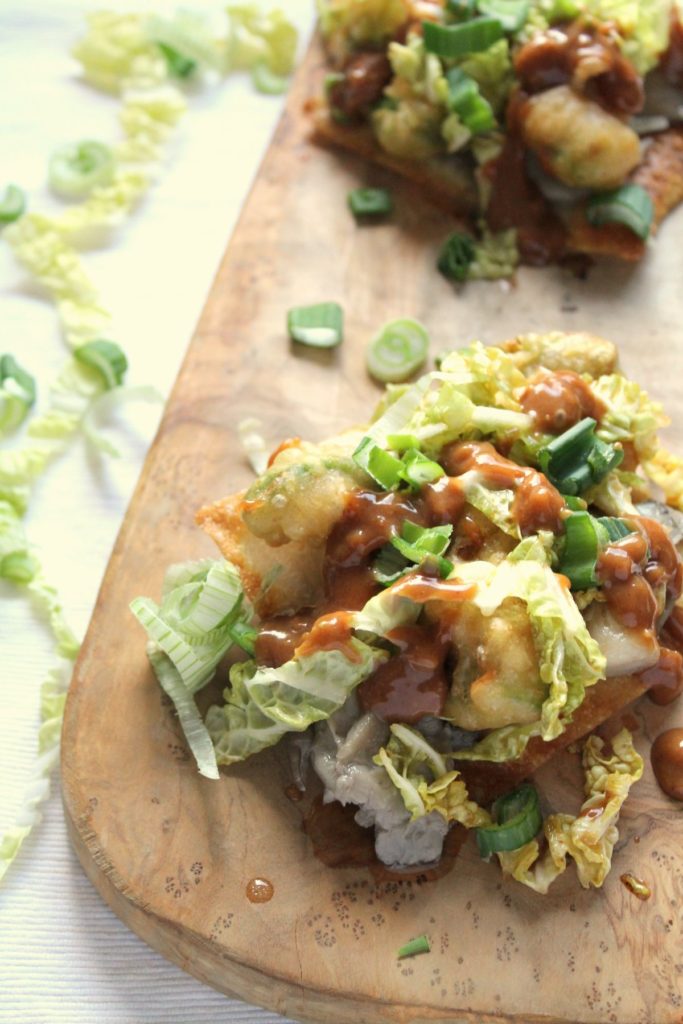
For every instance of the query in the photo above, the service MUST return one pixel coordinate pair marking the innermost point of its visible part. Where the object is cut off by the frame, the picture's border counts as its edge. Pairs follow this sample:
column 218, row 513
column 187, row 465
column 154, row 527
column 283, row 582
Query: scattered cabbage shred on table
column 430, row 594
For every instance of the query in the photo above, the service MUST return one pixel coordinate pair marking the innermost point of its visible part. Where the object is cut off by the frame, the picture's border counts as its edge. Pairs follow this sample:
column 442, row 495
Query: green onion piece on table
column 320, row 326
column 629, row 205
column 266, row 81
column 370, row 202
column 512, row 14
column 397, row 351
column 12, row 204
column 577, row 459
column 456, row 256
column 179, row 65
column 457, row 40
column 77, row 168
column 17, row 393
column 517, row 819
column 415, row 946
column 107, row 358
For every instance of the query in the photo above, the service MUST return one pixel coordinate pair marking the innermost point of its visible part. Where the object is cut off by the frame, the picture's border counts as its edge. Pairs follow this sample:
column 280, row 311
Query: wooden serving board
column 173, row 853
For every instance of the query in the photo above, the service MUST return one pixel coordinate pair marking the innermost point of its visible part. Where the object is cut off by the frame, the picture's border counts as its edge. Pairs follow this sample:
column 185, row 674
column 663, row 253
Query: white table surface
column 64, row 957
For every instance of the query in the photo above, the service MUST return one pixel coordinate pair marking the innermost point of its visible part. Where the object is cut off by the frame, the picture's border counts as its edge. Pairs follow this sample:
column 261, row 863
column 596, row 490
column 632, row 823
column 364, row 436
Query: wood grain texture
column 171, row 852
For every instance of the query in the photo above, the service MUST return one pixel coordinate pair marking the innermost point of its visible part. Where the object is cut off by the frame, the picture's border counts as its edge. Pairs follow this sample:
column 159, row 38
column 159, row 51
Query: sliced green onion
column 629, row 205
column 512, row 14
column 17, row 393
column 320, row 326
column 106, row 357
column 389, row 565
column 12, row 204
column 574, row 504
column 518, row 819
column 414, row 947
column 466, row 101
column 402, row 442
column 383, row 467
column 18, row 567
column 370, row 202
column 584, row 538
column 577, row 459
column 456, row 256
column 244, row 635
column 397, row 351
column 616, row 528
column 457, row 40
column 267, row 82
column 419, row 470
column 417, row 541
column 179, row 65
column 75, row 169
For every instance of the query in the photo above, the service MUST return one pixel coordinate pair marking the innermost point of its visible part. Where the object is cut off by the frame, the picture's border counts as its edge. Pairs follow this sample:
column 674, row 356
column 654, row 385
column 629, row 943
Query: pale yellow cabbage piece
column 588, row 838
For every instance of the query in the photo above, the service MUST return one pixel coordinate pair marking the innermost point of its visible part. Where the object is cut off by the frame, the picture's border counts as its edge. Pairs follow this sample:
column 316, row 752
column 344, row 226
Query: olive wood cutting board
column 174, row 854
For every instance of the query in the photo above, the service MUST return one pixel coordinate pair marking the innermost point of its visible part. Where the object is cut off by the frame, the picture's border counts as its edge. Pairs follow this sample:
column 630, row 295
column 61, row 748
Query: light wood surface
column 172, row 853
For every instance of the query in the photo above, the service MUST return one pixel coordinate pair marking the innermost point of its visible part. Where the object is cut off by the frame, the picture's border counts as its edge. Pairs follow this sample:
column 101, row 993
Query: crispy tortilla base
column 661, row 175
column 447, row 182
column 486, row 780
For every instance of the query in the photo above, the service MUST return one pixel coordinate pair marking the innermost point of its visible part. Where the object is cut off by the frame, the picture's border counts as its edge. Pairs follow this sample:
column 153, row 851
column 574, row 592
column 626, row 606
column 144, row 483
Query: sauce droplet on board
column 259, row 890
column 637, row 886
column 667, row 762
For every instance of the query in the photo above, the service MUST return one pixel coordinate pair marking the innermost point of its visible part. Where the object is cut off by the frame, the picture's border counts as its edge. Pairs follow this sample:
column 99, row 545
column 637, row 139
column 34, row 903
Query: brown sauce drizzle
column 412, row 683
column 672, row 60
column 667, row 762
column 665, row 679
column 279, row 638
column 629, row 595
column 517, row 202
column 330, row 633
column 259, row 890
column 559, row 400
column 365, row 77
column 636, row 885
column 537, row 504
column 587, row 56
column 340, row 842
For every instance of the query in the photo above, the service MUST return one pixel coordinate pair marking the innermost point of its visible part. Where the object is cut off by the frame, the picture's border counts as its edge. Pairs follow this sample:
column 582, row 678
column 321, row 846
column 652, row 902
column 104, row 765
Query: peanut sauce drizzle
column 667, row 762
column 560, row 400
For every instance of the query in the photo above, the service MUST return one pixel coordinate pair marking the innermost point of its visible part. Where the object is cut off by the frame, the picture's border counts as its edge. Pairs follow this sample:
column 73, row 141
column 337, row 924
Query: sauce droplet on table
column 636, row 885
column 259, row 890
column 667, row 762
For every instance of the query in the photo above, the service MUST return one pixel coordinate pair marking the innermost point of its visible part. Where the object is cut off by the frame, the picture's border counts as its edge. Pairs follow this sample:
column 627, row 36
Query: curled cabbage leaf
column 588, row 838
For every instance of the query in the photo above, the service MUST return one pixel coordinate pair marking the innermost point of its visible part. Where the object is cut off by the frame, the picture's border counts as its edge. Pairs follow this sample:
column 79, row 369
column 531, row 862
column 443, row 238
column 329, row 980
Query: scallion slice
column 465, row 100
column 370, row 202
column 402, row 442
column 382, row 466
column 75, row 169
column 518, row 819
column 17, row 393
column 12, row 204
column 584, row 538
column 629, row 205
column 419, row 470
column 577, row 459
column 457, row 40
column 178, row 64
column 456, row 256
column 417, row 541
column 414, row 947
column 320, row 325
column 461, row 10
column 267, row 82
column 616, row 528
column 107, row 358
column 244, row 635
column 397, row 351
column 389, row 564
column 512, row 14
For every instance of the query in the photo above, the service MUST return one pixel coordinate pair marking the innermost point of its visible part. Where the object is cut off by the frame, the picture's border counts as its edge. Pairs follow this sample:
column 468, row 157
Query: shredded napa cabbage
column 421, row 775
column 495, row 255
column 352, row 24
column 588, row 838
column 569, row 660
column 189, row 633
column 262, row 704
